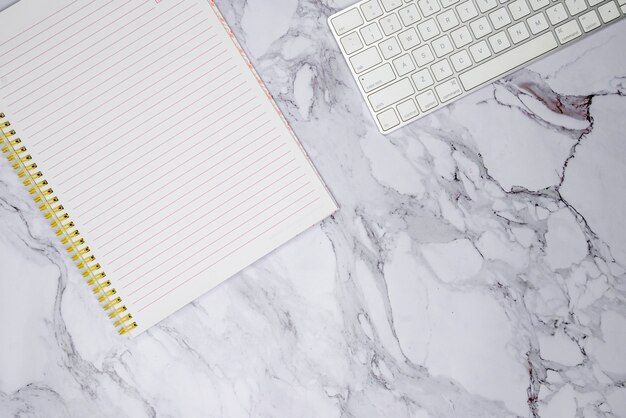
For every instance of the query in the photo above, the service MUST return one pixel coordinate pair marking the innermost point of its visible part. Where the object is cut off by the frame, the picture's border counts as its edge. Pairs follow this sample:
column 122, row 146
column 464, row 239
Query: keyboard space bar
column 507, row 61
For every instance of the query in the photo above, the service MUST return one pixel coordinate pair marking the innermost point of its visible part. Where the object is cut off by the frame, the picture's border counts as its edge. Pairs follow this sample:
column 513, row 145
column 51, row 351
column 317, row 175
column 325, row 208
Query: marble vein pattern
column 476, row 269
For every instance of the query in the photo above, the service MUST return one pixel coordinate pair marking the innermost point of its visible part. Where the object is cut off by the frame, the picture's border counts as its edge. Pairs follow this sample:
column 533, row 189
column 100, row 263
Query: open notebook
column 141, row 124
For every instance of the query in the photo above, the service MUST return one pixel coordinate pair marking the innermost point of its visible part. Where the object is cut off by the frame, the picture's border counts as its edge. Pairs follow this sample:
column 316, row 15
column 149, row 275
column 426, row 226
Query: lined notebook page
column 159, row 140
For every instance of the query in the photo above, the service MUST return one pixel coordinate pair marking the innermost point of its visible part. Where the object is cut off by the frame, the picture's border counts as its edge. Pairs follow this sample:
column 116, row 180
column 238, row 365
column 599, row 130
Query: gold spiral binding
column 39, row 188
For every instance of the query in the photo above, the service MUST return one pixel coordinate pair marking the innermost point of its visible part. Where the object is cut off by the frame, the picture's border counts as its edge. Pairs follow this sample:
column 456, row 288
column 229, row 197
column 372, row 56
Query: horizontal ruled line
column 173, row 179
column 173, row 256
column 232, row 252
column 41, row 53
column 103, row 234
column 118, row 105
column 130, row 153
column 211, row 222
column 67, row 70
column 67, row 82
column 193, row 222
column 159, row 48
column 72, row 57
column 34, row 36
column 83, row 192
column 249, row 165
column 216, row 240
column 154, row 94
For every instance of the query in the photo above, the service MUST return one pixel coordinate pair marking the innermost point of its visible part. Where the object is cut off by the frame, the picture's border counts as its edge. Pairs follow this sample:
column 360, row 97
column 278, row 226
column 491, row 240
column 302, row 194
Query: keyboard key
column 467, row 11
column 448, row 90
column 441, row 70
column 347, row 21
column 447, row 20
column 461, row 37
column 461, row 60
column 537, row 23
column 371, row 10
column 480, row 27
column 422, row 79
column 500, row 18
column 428, row 29
column 404, row 65
column 568, row 31
column 594, row 2
column 371, row 33
column 391, row 94
column 575, row 6
column 390, row 48
column 518, row 33
column 409, row 15
column 423, row 55
column 388, row 119
column 365, row 60
column 351, row 43
column 486, row 5
column 427, row 101
column 448, row 3
column 377, row 77
column 589, row 21
column 442, row 46
column 407, row 110
column 508, row 60
column 390, row 5
column 390, row 24
column 499, row 42
column 538, row 4
column 608, row 11
column 480, row 51
column 556, row 13
column 409, row 39
column 519, row 9
column 428, row 7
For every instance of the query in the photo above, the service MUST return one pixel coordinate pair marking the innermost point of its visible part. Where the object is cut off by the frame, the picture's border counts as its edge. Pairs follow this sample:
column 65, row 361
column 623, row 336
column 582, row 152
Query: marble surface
column 477, row 267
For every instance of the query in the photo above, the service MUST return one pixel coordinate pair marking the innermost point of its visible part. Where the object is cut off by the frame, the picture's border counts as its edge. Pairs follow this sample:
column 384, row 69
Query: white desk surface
column 477, row 267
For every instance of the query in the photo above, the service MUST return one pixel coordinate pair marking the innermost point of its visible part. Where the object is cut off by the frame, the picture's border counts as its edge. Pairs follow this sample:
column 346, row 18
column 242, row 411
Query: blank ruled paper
column 159, row 140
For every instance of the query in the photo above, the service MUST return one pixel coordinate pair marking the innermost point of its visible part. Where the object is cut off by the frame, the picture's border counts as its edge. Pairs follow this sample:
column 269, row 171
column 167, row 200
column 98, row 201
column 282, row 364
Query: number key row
column 391, row 22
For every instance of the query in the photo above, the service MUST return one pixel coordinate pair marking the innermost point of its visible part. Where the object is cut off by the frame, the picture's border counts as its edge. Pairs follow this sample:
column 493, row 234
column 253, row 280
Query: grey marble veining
column 477, row 267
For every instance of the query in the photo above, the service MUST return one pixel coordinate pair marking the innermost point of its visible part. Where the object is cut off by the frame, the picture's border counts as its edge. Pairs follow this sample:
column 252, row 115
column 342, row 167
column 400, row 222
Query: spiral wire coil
column 65, row 229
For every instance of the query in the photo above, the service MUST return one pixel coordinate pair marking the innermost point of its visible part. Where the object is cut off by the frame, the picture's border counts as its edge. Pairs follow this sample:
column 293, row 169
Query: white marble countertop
column 477, row 267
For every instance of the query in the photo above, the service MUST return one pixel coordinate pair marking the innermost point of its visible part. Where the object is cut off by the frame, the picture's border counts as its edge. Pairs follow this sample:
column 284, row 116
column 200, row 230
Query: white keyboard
column 412, row 57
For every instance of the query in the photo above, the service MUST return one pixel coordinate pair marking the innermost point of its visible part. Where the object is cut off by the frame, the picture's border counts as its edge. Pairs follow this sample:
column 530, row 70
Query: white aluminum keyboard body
column 412, row 57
